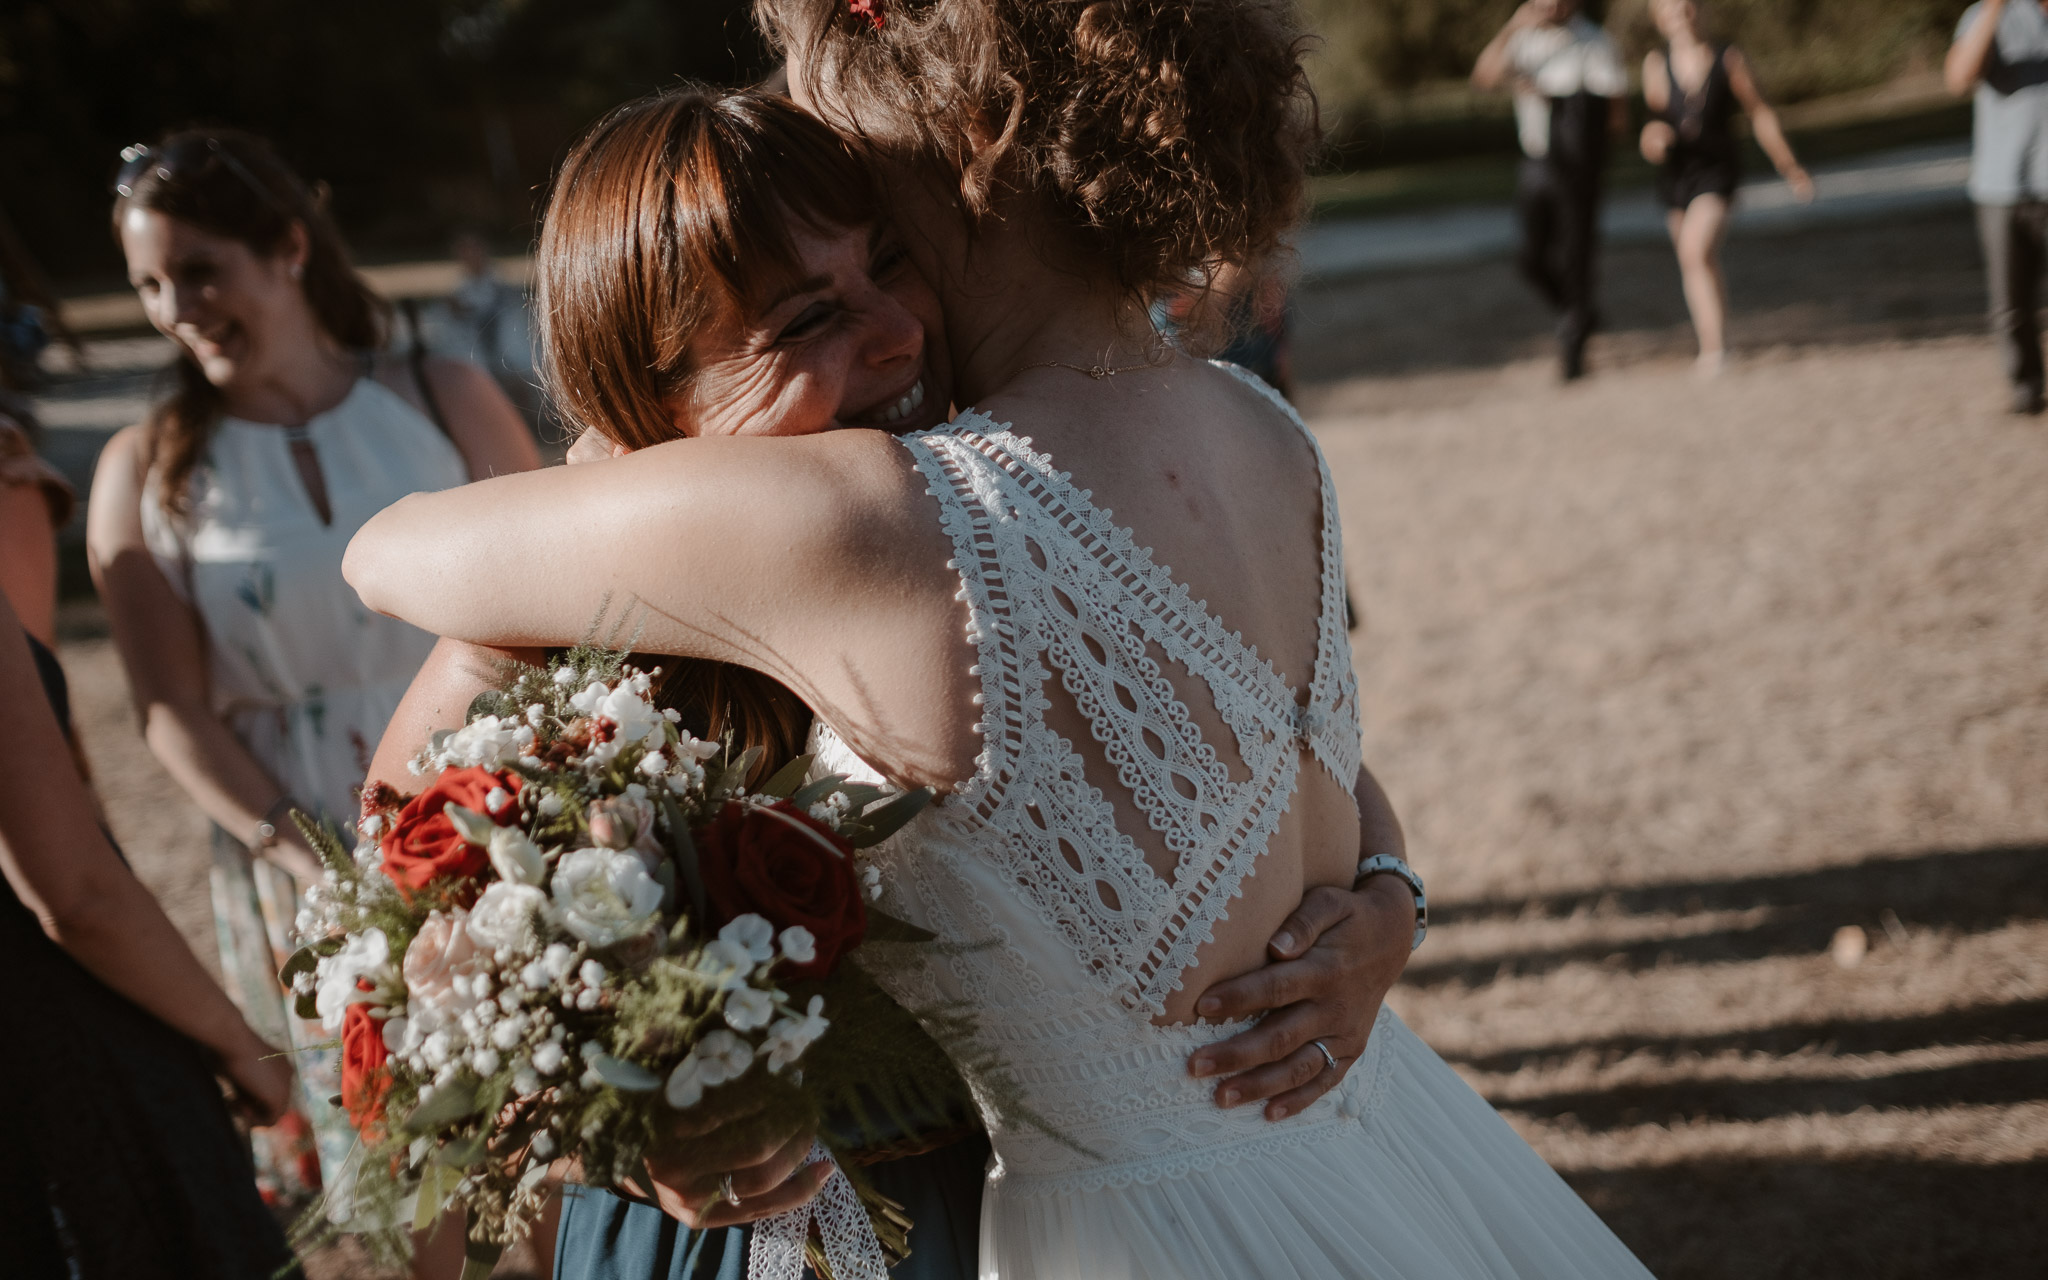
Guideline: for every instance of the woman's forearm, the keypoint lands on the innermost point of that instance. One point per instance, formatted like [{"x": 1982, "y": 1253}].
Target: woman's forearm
[
  {"x": 1379, "y": 829},
  {"x": 63, "y": 868},
  {"x": 1770, "y": 135},
  {"x": 206, "y": 759},
  {"x": 123, "y": 938}
]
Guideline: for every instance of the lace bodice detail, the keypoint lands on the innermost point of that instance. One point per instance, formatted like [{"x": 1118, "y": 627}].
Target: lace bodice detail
[{"x": 1071, "y": 940}]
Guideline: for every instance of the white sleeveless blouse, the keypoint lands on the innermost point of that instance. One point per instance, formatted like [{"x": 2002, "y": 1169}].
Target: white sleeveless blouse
[
  {"x": 1110, "y": 1160},
  {"x": 305, "y": 675}
]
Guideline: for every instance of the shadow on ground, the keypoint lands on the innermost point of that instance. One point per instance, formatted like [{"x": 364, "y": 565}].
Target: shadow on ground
[
  {"x": 1758, "y": 1217},
  {"x": 1789, "y": 1220}
]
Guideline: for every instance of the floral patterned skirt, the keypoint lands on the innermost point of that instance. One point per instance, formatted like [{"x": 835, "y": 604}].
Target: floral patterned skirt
[{"x": 254, "y": 904}]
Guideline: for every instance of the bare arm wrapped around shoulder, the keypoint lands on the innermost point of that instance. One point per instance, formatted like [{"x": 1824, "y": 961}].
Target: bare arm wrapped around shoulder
[{"x": 819, "y": 561}]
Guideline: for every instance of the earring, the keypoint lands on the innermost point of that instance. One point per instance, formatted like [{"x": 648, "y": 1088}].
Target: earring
[{"x": 298, "y": 270}]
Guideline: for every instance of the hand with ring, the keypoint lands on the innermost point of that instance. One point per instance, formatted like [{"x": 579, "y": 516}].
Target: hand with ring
[
  {"x": 1330, "y": 966},
  {"x": 731, "y": 1169}
]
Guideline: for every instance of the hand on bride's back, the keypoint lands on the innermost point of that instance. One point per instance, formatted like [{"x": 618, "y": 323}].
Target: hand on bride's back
[
  {"x": 1334, "y": 960},
  {"x": 764, "y": 1160}
]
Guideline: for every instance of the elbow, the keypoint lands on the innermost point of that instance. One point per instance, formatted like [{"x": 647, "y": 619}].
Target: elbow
[{"x": 368, "y": 565}]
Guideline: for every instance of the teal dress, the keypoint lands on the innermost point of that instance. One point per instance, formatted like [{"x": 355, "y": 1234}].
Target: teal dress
[{"x": 607, "y": 1237}]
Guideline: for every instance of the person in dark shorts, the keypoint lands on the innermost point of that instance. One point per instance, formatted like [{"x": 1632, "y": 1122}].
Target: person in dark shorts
[
  {"x": 2000, "y": 56},
  {"x": 1693, "y": 90},
  {"x": 1571, "y": 93}
]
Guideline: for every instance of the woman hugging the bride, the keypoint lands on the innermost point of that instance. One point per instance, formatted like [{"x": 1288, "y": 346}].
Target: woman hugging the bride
[{"x": 1154, "y": 822}]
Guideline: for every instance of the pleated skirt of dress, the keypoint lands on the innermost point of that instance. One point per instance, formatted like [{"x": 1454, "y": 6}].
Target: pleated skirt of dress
[{"x": 1429, "y": 1183}]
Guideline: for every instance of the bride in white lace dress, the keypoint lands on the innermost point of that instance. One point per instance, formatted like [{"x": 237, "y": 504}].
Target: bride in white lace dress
[{"x": 1145, "y": 766}]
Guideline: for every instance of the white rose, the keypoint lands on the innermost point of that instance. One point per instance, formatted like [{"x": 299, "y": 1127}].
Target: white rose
[
  {"x": 605, "y": 896},
  {"x": 749, "y": 1009},
  {"x": 515, "y": 857},
  {"x": 362, "y": 956},
  {"x": 502, "y": 919},
  {"x": 752, "y": 933}
]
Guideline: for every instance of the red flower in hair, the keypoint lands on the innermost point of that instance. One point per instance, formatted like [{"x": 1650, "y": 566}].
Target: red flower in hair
[{"x": 869, "y": 9}]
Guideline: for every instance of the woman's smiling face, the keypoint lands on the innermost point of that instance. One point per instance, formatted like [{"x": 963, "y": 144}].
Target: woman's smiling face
[{"x": 849, "y": 343}]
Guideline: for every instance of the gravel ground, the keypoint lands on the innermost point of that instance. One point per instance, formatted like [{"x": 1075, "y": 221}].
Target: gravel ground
[{"x": 1718, "y": 715}]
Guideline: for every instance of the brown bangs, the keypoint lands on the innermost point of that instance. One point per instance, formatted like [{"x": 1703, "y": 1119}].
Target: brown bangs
[{"x": 672, "y": 211}]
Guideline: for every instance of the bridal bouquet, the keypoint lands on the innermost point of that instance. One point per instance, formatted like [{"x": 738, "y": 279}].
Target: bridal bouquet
[{"x": 585, "y": 927}]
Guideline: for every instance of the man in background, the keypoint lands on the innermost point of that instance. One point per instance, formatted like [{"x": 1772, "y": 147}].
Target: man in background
[
  {"x": 2001, "y": 52},
  {"x": 1571, "y": 95}
]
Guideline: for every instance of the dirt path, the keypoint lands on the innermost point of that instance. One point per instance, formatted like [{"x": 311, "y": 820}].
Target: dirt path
[{"x": 1672, "y": 681}]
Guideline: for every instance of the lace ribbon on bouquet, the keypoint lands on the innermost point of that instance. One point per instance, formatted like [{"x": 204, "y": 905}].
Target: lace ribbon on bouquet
[{"x": 851, "y": 1249}]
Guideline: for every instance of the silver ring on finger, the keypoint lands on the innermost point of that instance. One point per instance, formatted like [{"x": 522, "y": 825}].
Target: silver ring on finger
[
  {"x": 1329, "y": 1059},
  {"x": 726, "y": 1193}
]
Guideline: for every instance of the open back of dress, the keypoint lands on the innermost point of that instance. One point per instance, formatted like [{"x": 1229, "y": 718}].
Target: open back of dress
[{"x": 1070, "y": 930}]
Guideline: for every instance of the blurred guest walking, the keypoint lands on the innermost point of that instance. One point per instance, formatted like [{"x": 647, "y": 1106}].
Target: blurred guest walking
[
  {"x": 120, "y": 1160},
  {"x": 1693, "y": 90},
  {"x": 2001, "y": 51},
  {"x": 216, "y": 532},
  {"x": 1570, "y": 95}
]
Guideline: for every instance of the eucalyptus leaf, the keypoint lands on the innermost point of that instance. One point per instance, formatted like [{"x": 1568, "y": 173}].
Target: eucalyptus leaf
[
  {"x": 788, "y": 778},
  {"x": 469, "y": 824},
  {"x": 436, "y": 1184},
  {"x": 816, "y": 791},
  {"x": 302, "y": 961},
  {"x": 621, "y": 1074},
  {"x": 859, "y": 795},
  {"x": 888, "y": 817},
  {"x": 491, "y": 702},
  {"x": 438, "y": 740},
  {"x": 453, "y": 1101},
  {"x": 307, "y": 1006},
  {"x": 460, "y": 1153},
  {"x": 683, "y": 850}
]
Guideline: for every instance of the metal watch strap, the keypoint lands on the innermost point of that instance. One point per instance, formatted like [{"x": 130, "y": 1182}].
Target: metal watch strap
[{"x": 1386, "y": 864}]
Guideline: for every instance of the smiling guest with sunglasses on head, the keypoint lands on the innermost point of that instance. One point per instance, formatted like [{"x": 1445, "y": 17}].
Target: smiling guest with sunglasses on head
[{"x": 216, "y": 533}]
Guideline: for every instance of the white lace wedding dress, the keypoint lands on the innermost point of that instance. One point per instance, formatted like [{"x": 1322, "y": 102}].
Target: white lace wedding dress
[{"x": 1072, "y": 943}]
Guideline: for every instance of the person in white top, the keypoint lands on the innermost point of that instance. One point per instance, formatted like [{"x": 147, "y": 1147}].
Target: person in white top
[
  {"x": 1570, "y": 92},
  {"x": 216, "y": 530},
  {"x": 1145, "y": 767}
]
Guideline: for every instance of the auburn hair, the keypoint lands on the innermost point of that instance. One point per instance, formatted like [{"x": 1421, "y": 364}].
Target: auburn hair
[
  {"x": 671, "y": 213},
  {"x": 1167, "y": 136},
  {"x": 235, "y": 186}
]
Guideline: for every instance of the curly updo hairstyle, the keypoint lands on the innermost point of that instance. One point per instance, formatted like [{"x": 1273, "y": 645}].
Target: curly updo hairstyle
[{"x": 1166, "y": 135}]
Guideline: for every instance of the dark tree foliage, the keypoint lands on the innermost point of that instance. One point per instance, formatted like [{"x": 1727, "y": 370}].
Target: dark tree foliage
[{"x": 422, "y": 115}]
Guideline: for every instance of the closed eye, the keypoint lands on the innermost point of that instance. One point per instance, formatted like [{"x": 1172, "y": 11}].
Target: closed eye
[{"x": 807, "y": 322}]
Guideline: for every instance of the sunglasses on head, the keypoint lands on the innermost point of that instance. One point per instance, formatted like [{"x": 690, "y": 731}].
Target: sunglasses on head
[{"x": 184, "y": 157}]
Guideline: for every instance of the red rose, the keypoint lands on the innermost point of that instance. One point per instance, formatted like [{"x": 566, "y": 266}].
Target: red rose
[
  {"x": 781, "y": 863},
  {"x": 423, "y": 845},
  {"x": 364, "y": 1081}
]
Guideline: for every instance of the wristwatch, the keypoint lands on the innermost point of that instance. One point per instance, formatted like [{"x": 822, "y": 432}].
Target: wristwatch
[{"x": 1386, "y": 864}]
